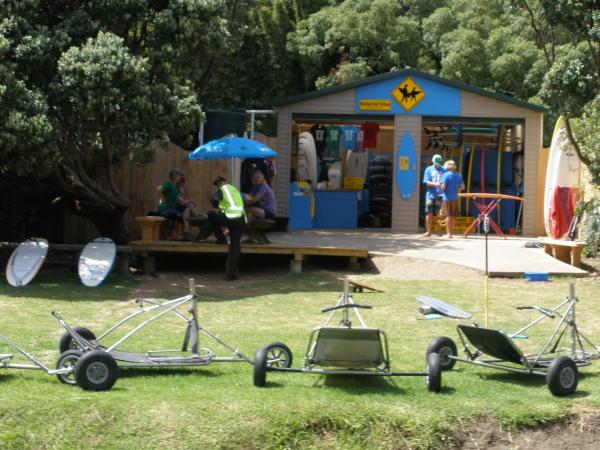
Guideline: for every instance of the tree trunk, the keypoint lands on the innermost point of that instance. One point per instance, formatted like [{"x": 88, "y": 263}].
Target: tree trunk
[{"x": 95, "y": 197}]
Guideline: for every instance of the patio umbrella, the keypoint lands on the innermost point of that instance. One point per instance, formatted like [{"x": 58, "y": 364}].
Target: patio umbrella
[{"x": 232, "y": 147}]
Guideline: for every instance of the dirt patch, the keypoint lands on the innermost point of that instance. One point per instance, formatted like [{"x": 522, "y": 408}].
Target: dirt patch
[
  {"x": 577, "y": 431},
  {"x": 403, "y": 268}
]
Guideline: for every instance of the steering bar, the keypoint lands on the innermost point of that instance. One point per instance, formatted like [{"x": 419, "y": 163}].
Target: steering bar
[
  {"x": 346, "y": 305},
  {"x": 544, "y": 311}
]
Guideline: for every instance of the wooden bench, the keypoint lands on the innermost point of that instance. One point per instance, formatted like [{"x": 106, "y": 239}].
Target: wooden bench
[
  {"x": 150, "y": 227},
  {"x": 257, "y": 229},
  {"x": 565, "y": 251}
]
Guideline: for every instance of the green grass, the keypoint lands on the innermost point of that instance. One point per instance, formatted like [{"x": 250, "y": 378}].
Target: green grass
[{"x": 218, "y": 407}]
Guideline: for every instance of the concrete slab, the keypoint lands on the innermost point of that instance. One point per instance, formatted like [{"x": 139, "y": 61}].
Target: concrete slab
[{"x": 506, "y": 257}]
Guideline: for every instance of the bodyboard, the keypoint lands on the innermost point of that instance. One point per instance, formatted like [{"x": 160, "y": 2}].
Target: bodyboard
[
  {"x": 26, "y": 261},
  {"x": 438, "y": 306},
  {"x": 96, "y": 261}
]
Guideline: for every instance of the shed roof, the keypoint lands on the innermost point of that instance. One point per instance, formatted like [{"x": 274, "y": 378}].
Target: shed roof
[{"x": 403, "y": 73}]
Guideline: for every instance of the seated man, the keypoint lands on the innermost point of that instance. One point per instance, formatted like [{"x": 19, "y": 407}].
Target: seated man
[
  {"x": 173, "y": 207},
  {"x": 261, "y": 201}
]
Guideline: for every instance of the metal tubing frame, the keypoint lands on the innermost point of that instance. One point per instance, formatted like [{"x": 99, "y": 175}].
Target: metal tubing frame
[
  {"x": 37, "y": 364},
  {"x": 576, "y": 350},
  {"x": 377, "y": 373}
]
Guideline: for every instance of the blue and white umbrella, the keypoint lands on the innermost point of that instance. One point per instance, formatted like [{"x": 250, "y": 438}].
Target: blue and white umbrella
[{"x": 232, "y": 147}]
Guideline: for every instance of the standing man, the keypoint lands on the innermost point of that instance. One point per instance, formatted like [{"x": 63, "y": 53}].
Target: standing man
[
  {"x": 261, "y": 201},
  {"x": 231, "y": 215},
  {"x": 432, "y": 178},
  {"x": 452, "y": 184}
]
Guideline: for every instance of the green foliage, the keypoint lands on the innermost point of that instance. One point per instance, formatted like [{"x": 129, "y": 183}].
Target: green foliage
[
  {"x": 570, "y": 83},
  {"x": 586, "y": 130},
  {"x": 590, "y": 228},
  {"x": 458, "y": 47}
]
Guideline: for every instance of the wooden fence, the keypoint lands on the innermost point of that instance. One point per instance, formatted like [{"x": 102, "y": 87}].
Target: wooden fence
[{"x": 139, "y": 184}]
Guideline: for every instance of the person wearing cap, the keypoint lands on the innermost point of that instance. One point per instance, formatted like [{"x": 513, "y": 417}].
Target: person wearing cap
[
  {"x": 230, "y": 214},
  {"x": 174, "y": 207},
  {"x": 452, "y": 184},
  {"x": 432, "y": 178}
]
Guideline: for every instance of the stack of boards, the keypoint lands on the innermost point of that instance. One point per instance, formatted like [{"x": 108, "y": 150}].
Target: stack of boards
[{"x": 95, "y": 262}]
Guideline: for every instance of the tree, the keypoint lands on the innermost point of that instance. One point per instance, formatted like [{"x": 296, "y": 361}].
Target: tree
[{"x": 91, "y": 83}]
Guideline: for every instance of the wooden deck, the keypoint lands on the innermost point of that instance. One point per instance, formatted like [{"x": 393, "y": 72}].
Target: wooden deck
[{"x": 149, "y": 249}]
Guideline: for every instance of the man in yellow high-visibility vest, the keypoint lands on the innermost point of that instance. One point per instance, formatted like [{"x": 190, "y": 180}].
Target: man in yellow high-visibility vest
[{"x": 231, "y": 215}]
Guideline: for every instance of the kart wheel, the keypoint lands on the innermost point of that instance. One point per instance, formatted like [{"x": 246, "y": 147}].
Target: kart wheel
[
  {"x": 444, "y": 347},
  {"x": 260, "y": 367},
  {"x": 562, "y": 376},
  {"x": 68, "y": 360},
  {"x": 68, "y": 343},
  {"x": 96, "y": 371},
  {"x": 434, "y": 372},
  {"x": 278, "y": 355}
]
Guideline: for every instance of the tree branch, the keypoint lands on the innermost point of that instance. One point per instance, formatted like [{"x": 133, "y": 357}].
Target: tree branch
[{"x": 583, "y": 158}]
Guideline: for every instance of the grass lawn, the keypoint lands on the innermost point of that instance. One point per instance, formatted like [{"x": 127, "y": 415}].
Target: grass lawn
[{"x": 218, "y": 407}]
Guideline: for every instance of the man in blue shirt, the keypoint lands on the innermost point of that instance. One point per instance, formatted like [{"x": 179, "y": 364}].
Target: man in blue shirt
[
  {"x": 261, "y": 201},
  {"x": 452, "y": 184},
  {"x": 432, "y": 178}
]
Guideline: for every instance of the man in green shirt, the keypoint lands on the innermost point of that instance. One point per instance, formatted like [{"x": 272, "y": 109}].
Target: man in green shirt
[{"x": 173, "y": 207}]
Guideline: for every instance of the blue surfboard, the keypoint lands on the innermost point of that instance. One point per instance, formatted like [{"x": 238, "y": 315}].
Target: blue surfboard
[{"x": 406, "y": 168}]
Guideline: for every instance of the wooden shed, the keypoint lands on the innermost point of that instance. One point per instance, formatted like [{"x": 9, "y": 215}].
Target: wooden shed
[{"x": 495, "y": 139}]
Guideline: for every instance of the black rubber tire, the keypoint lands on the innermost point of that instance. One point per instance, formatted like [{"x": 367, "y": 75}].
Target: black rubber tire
[
  {"x": 96, "y": 371},
  {"x": 434, "y": 372},
  {"x": 562, "y": 376},
  {"x": 70, "y": 358},
  {"x": 443, "y": 346},
  {"x": 68, "y": 343},
  {"x": 278, "y": 355},
  {"x": 260, "y": 367}
]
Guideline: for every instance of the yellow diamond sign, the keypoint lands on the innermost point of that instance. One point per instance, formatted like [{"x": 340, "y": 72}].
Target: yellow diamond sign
[{"x": 408, "y": 94}]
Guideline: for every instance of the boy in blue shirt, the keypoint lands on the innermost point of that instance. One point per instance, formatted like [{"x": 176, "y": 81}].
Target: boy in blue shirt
[
  {"x": 432, "y": 178},
  {"x": 452, "y": 184}
]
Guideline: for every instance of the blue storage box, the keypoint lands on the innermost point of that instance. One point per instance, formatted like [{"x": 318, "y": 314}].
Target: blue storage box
[{"x": 536, "y": 276}]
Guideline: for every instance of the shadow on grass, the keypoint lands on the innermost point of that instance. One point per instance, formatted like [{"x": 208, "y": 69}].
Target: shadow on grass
[
  {"x": 134, "y": 372},
  {"x": 59, "y": 285},
  {"x": 357, "y": 384},
  {"x": 528, "y": 380}
]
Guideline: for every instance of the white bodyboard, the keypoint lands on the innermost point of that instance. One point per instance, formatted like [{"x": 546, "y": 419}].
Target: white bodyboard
[
  {"x": 96, "y": 261},
  {"x": 26, "y": 261},
  {"x": 307, "y": 158}
]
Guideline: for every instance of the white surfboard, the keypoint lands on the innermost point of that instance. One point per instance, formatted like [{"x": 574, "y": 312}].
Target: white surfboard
[
  {"x": 307, "y": 158},
  {"x": 26, "y": 261},
  {"x": 96, "y": 261},
  {"x": 562, "y": 171}
]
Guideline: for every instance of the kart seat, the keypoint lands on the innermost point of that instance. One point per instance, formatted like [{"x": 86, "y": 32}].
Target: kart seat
[
  {"x": 493, "y": 342},
  {"x": 347, "y": 347}
]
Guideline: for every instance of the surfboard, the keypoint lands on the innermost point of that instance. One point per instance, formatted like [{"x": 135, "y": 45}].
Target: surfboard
[
  {"x": 307, "y": 158},
  {"x": 562, "y": 171},
  {"x": 406, "y": 170},
  {"x": 26, "y": 261},
  {"x": 96, "y": 261},
  {"x": 433, "y": 305}
]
